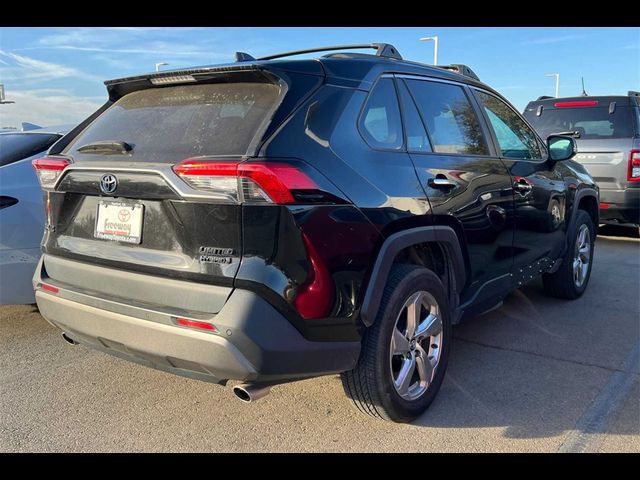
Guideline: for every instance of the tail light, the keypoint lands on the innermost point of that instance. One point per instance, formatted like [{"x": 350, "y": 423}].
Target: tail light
[
  {"x": 251, "y": 182},
  {"x": 315, "y": 296},
  {"x": 49, "y": 169},
  {"x": 633, "y": 174}
]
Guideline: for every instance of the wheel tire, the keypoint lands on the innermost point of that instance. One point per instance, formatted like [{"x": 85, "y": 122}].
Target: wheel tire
[
  {"x": 561, "y": 284},
  {"x": 370, "y": 384}
]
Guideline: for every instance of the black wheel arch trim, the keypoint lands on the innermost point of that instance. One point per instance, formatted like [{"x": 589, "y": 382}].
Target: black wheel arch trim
[
  {"x": 390, "y": 249},
  {"x": 580, "y": 194}
]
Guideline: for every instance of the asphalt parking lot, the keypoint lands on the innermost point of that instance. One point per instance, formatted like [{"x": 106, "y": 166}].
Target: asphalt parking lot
[{"x": 538, "y": 374}]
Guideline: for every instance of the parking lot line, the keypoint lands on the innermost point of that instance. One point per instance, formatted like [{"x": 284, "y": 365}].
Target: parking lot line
[{"x": 594, "y": 420}]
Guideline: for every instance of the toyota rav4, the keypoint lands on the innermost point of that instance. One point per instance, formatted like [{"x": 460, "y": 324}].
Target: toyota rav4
[{"x": 277, "y": 219}]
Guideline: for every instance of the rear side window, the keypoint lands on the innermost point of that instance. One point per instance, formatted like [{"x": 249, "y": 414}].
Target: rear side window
[
  {"x": 18, "y": 146},
  {"x": 380, "y": 122},
  {"x": 589, "y": 122},
  {"x": 451, "y": 122},
  {"x": 171, "y": 124}
]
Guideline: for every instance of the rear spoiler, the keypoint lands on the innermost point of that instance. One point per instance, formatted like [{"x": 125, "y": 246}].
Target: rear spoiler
[{"x": 121, "y": 86}]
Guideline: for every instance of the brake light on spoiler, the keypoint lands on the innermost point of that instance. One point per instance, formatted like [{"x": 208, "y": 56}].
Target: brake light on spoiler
[{"x": 578, "y": 103}]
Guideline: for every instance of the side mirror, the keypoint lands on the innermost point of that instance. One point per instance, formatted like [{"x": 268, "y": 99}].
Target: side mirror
[{"x": 561, "y": 147}]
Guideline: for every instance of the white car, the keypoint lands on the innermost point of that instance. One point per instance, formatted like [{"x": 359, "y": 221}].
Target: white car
[{"x": 21, "y": 210}]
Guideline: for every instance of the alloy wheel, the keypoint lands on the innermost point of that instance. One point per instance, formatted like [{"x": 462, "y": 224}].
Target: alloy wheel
[{"x": 416, "y": 344}]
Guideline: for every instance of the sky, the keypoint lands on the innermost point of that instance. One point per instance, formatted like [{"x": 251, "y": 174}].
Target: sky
[{"x": 56, "y": 75}]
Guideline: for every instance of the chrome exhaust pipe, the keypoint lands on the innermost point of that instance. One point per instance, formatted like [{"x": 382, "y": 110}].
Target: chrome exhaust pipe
[
  {"x": 69, "y": 340},
  {"x": 251, "y": 392}
]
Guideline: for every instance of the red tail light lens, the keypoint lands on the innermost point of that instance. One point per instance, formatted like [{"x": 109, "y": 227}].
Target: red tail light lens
[
  {"x": 580, "y": 103},
  {"x": 315, "y": 297},
  {"x": 633, "y": 175},
  {"x": 49, "y": 288},
  {"x": 197, "y": 324},
  {"x": 277, "y": 179},
  {"x": 254, "y": 182},
  {"x": 49, "y": 169}
]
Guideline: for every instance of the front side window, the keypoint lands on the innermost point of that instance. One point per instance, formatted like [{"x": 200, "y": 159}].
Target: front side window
[
  {"x": 515, "y": 138},
  {"x": 450, "y": 120},
  {"x": 380, "y": 122}
]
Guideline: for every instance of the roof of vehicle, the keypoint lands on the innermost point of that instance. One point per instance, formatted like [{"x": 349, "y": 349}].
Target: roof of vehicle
[{"x": 356, "y": 70}]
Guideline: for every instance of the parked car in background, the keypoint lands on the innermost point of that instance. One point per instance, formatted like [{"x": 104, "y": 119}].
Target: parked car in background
[
  {"x": 277, "y": 219},
  {"x": 21, "y": 210},
  {"x": 607, "y": 133}
]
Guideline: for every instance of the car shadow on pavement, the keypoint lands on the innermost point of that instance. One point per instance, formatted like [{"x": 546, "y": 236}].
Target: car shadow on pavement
[
  {"x": 536, "y": 364},
  {"x": 624, "y": 231}
]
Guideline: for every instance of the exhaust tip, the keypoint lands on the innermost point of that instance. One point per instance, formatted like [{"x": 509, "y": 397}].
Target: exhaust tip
[
  {"x": 68, "y": 339},
  {"x": 242, "y": 394},
  {"x": 251, "y": 392}
]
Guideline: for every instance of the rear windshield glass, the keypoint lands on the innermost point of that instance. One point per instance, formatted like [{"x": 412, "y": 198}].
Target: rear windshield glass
[
  {"x": 589, "y": 122},
  {"x": 17, "y": 146},
  {"x": 173, "y": 123}
]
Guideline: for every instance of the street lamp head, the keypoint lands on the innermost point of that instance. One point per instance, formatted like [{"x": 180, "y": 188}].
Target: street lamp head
[{"x": 424, "y": 39}]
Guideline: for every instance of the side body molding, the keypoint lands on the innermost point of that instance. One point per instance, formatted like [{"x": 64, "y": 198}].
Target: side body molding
[{"x": 390, "y": 249}]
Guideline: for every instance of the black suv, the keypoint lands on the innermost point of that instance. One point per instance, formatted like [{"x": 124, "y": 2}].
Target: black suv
[{"x": 275, "y": 219}]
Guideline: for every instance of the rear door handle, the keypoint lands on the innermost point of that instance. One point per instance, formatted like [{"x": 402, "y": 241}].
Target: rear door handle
[{"x": 440, "y": 181}]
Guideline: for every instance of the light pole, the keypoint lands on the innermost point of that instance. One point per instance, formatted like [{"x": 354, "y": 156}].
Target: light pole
[
  {"x": 435, "y": 47},
  {"x": 158, "y": 65},
  {"x": 2, "y": 100},
  {"x": 557, "y": 75}
]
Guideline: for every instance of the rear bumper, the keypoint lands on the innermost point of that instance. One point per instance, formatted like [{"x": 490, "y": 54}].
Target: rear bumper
[
  {"x": 253, "y": 341},
  {"x": 623, "y": 206}
]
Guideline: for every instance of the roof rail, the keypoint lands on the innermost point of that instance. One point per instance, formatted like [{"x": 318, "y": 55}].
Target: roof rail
[
  {"x": 461, "y": 69},
  {"x": 382, "y": 50}
]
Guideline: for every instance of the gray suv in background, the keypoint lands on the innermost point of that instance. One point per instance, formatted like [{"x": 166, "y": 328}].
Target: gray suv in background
[{"x": 607, "y": 133}]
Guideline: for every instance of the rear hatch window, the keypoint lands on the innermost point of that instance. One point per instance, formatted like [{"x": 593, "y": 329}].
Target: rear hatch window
[
  {"x": 590, "y": 122},
  {"x": 170, "y": 124}
]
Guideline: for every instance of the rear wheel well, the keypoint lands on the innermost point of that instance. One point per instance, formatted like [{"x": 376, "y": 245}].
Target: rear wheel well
[
  {"x": 590, "y": 205},
  {"x": 431, "y": 255}
]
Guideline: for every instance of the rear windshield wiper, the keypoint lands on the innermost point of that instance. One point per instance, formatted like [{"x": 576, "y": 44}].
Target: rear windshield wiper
[
  {"x": 572, "y": 133},
  {"x": 106, "y": 146}
]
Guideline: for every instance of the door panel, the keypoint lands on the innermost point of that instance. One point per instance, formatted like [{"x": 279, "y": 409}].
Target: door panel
[
  {"x": 463, "y": 180},
  {"x": 539, "y": 189}
]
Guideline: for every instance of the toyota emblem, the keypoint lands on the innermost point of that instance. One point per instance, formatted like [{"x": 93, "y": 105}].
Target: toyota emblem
[{"x": 108, "y": 183}]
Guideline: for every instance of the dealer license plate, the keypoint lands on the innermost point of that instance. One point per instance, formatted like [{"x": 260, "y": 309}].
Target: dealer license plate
[{"x": 119, "y": 221}]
